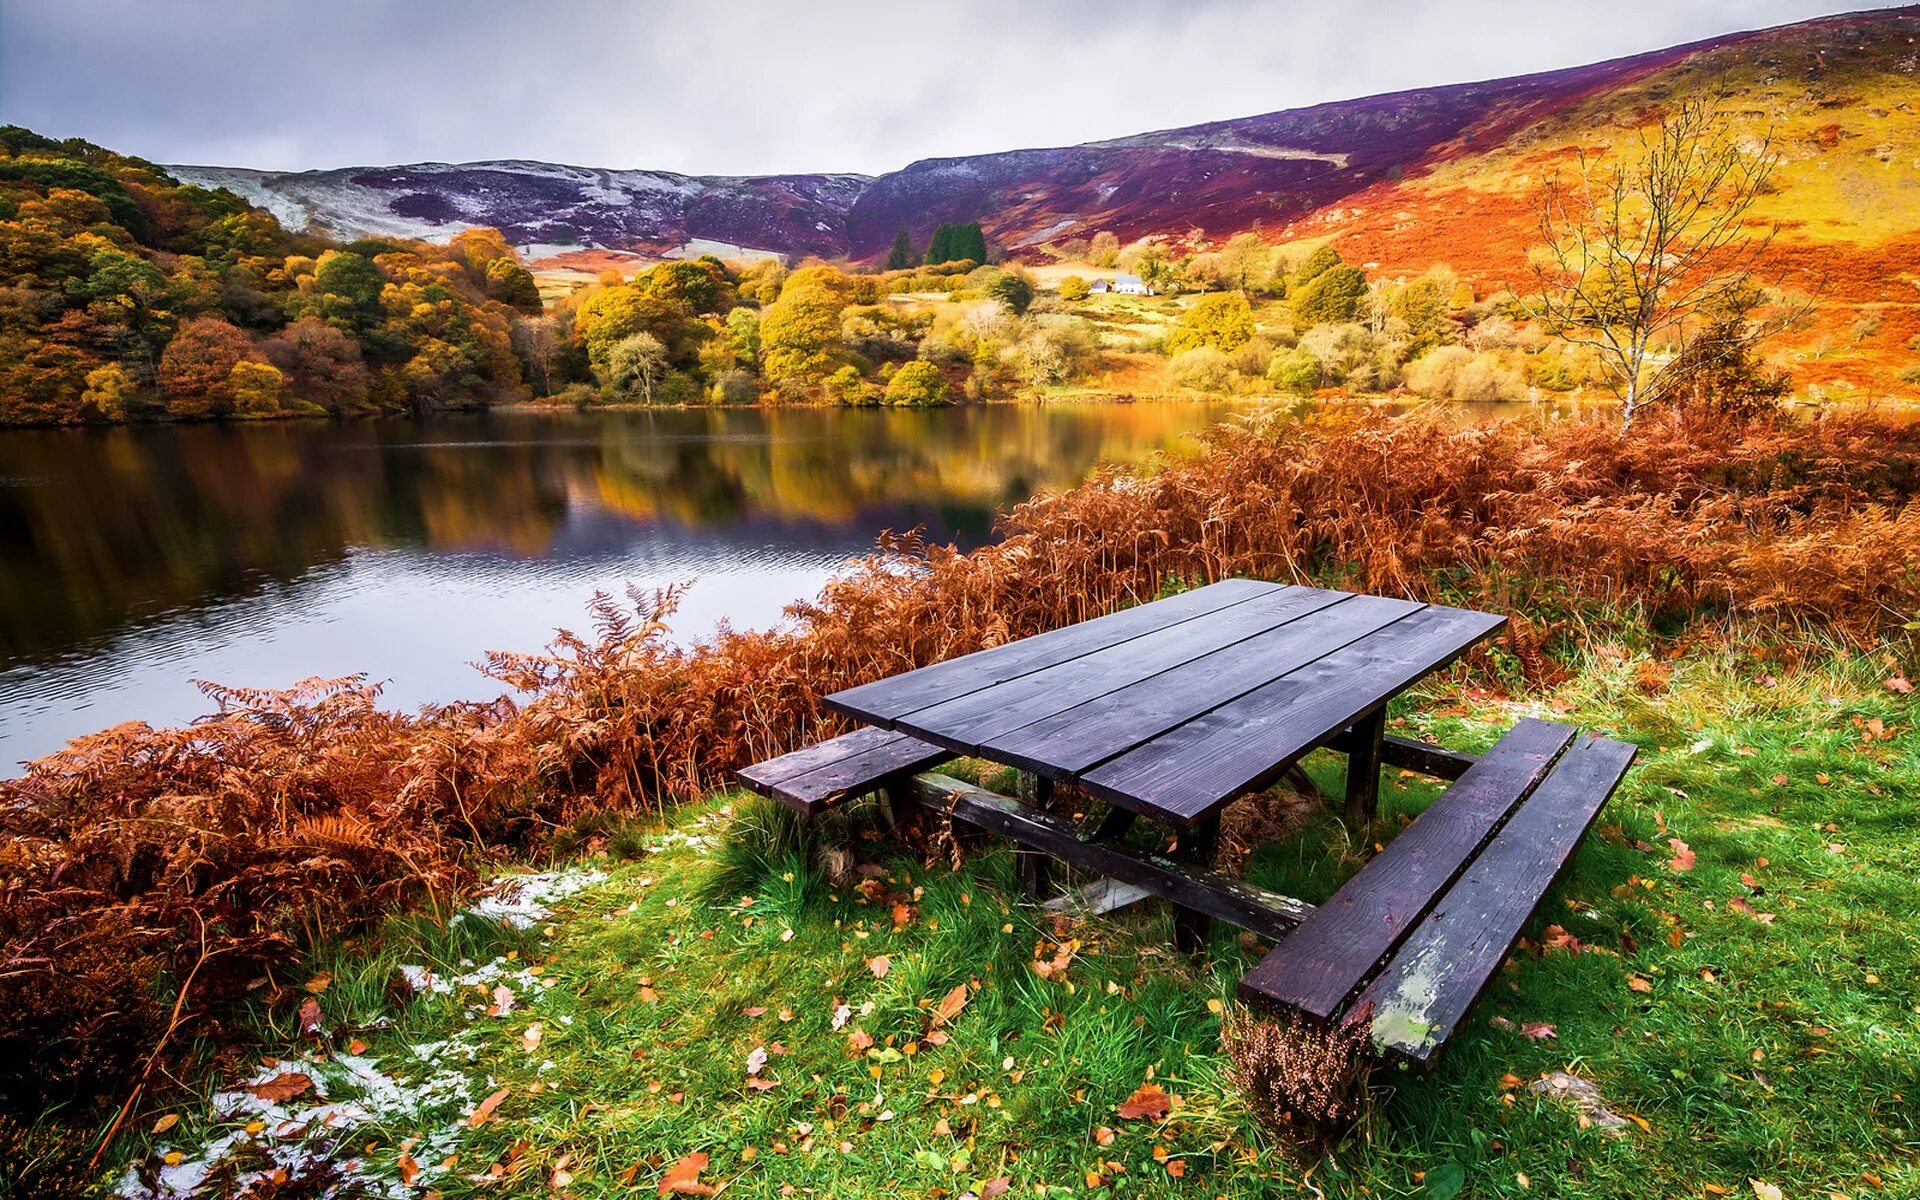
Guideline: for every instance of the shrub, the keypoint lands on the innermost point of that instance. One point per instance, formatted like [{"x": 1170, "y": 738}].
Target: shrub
[
  {"x": 1303, "y": 1082},
  {"x": 1073, "y": 287},
  {"x": 1203, "y": 369},
  {"x": 736, "y": 387},
  {"x": 1220, "y": 321},
  {"x": 1458, "y": 374},
  {"x": 1294, "y": 371},
  {"x": 918, "y": 385},
  {"x": 1333, "y": 296}
]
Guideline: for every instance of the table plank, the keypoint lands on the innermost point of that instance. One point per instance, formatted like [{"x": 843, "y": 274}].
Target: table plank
[
  {"x": 775, "y": 771},
  {"x": 885, "y": 700},
  {"x": 965, "y": 723},
  {"x": 1194, "y": 768},
  {"x": 1080, "y": 738}
]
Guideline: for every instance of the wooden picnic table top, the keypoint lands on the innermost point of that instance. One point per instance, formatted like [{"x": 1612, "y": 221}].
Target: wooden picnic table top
[{"x": 1173, "y": 709}]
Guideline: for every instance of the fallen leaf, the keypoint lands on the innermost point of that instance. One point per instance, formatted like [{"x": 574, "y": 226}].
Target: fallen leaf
[
  {"x": 310, "y": 1016},
  {"x": 283, "y": 1087},
  {"x": 997, "y": 1186},
  {"x": 1177, "y": 1167},
  {"x": 1682, "y": 859},
  {"x": 763, "y": 1084},
  {"x": 502, "y": 1001},
  {"x": 1103, "y": 1136},
  {"x": 901, "y": 915},
  {"x": 319, "y": 983},
  {"x": 841, "y": 1015},
  {"x": 756, "y": 1011},
  {"x": 756, "y": 1060},
  {"x": 1537, "y": 1030},
  {"x": 1900, "y": 685},
  {"x": 167, "y": 1122},
  {"x": 951, "y": 1005},
  {"x": 1639, "y": 983},
  {"x": 1149, "y": 1101},
  {"x": 1714, "y": 1189},
  {"x": 409, "y": 1169},
  {"x": 879, "y": 964},
  {"x": 484, "y": 1113},
  {"x": 683, "y": 1177},
  {"x": 861, "y": 1040},
  {"x": 1765, "y": 1191},
  {"x": 531, "y": 1038}
]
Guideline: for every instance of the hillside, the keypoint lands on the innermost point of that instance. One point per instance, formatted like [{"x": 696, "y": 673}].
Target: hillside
[{"x": 1338, "y": 166}]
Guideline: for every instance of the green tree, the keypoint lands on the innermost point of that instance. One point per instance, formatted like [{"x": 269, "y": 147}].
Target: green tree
[
  {"x": 957, "y": 242},
  {"x": 1220, "y": 320},
  {"x": 1011, "y": 288},
  {"x": 1295, "y": 371},
  {"x": 918, "y": 384},
  {"x": 513, "y": 285},
  {"x": 900, "y": 256},
  {"x": 1318, "y": 263},
  {"x": 349, "y": 285},
  {"x": 1333, "y": 296}
]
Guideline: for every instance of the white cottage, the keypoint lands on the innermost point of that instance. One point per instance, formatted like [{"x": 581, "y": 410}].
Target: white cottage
[{"x": 1125, "y": 285}]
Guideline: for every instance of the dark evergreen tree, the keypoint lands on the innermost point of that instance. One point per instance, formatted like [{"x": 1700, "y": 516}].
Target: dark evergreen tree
[
  {"x": 970, "y": 242},
  {"x": 901, "y": 256},
  {"x": 940, "y": 246}
]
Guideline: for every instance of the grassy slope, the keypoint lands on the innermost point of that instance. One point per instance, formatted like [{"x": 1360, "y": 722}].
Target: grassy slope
[
  {"x": 1785, "y": 1050},
  {"x": 1847, "y": 197}
]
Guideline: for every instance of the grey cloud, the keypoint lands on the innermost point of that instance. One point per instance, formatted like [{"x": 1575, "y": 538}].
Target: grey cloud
[{"x": 757, "y": 86}]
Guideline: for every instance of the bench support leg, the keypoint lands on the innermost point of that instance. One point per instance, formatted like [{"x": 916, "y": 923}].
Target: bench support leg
[
  {"x": 1192, "y": 928},
  {"x": 1363, "y": 770},
  {"x": 1035, "y": 869}
]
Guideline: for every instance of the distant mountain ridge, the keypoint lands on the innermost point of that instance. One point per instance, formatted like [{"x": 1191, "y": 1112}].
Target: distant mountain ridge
[{"x": 1196, "y": 183}]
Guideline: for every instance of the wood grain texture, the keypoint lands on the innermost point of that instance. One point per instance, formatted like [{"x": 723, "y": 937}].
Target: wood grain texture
[
  {"x": 1077, "y": 739},
  {"x": 850, "y": 765},
  {"x": 966, "y": 723},
  {"x": 1244, "y": 744},
  {"x": 1440, "y": 969},
  {"x": 885, "y": 700},
  {"x": 1322, "y": 963}
]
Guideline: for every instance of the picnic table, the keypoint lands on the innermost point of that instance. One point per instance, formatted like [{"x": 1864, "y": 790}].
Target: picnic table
[{"x": 1170, "y": 711}]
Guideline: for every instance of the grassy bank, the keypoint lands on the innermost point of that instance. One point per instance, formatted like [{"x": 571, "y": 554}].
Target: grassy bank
[{"x": 1731, "y": 964}]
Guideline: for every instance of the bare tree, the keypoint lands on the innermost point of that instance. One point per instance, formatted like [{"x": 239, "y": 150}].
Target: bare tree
[{"x": 1644, "y": 258}]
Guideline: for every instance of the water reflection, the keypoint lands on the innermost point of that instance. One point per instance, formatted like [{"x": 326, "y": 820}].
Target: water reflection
[{"x": 133, "y": 560}]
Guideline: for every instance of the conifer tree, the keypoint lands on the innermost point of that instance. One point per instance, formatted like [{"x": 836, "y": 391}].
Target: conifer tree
[{"x": 901, "y": 256}]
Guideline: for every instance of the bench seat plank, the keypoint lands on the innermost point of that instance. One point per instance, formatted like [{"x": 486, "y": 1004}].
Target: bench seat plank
[
  {"x": 1441, "y": 968},
  {"x": 1333, "y": 952},
  {"x": 833, "y": 770}
]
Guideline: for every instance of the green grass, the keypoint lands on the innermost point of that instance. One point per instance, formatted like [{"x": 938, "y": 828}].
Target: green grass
[{"x": 1783, "y": 1050}]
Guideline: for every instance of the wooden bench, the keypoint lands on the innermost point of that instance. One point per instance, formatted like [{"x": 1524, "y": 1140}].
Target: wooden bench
[
  {"x": 853, "y": 764},
  {"x": 1410, "y": 942}
]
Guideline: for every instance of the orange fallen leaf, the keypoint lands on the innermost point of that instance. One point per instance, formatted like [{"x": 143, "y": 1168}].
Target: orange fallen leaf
[
  {"x": 951, "y": 1005},
  {"x": 283, "y": 1087},
  {"x": 1539, "y": 1031},
  {"x": 319, "y": 983},
  {"x": 1900, "y": 685},
  {"x": 1682, "y": 859},
  {"x": 409, "y": 1169},
  {"x": 1639, "y": 983},
  {"x": 1149, "y": 1101},
  {"x": 879, "y": 964},
  {"x": 485, "y": 1111},
  {"x": 310, "y": 1016},
  {"x": 1177, "y": 1167},
  {"x": 683, "y": 1177},
  {"x": 167, "y": 1122}
]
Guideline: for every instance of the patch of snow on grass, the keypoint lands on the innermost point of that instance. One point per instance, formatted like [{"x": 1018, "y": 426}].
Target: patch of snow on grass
[{"x": 525, "y": 900}]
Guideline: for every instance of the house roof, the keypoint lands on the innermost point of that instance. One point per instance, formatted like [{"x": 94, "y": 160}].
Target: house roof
[{"x": 1119, "y": 280}]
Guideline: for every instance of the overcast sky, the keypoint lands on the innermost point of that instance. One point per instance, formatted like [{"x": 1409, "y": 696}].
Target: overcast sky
[{"x": 757, "y": 86}]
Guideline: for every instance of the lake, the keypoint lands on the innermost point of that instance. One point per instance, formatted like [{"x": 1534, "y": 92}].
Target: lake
[{"x": 135, "y": 560}]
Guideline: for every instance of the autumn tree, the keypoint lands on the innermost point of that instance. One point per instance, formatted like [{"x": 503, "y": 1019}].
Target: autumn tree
[
  {"x": 917, "y": 385},
  {"x": 196, "y": 366},
  {"x": 1221, "y": 320},
  {"x": 800, "y": 333},
  {"x": 1330, "y": 296},
  {"x": 1640, "y": 258},
  {"x": 1104, "y": 249},
  {"x": 635, "y": 366},
  {"x": 320, "y": 365}
]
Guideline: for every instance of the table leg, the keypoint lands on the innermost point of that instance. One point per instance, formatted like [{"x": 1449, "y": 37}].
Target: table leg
[
  {"x": 1192, "y": 928},
  {"x": 1035, "y": 869},
  {"x": 1363, "y": 769}
]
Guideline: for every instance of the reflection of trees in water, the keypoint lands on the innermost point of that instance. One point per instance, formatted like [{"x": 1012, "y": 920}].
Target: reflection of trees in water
[{"x": 99, "y": 528}]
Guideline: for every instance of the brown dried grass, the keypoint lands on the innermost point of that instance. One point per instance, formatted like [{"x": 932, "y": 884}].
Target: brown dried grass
[
  {"x": 1305, "y": 1083},
  {"x": 260, "y": 818}
]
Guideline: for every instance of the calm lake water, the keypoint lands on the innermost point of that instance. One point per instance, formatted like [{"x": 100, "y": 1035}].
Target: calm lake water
[{"x": 133, "y": 561}]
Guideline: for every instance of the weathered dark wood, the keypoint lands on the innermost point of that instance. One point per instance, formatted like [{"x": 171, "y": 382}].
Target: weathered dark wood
[
  {"x": 1245, "y": 744},
  {"x": 1033, "y": 868},
  {"x": 1323, "y": 962},
  {"x": 1362, "y": 792},
  {"x": 850, "y": 765},
  {"x": 1241, "y": 904},
  {"x": 884, "y": 699},
  {"x": 1423, "y": 758},
  {"x": 967, "y": 723},
  {"x": 1193, "y": 927},
  {"x": 761, "y": 776},
  {"x": 1444, "y": 964},
  {"x": 1084, "y": 735}
]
